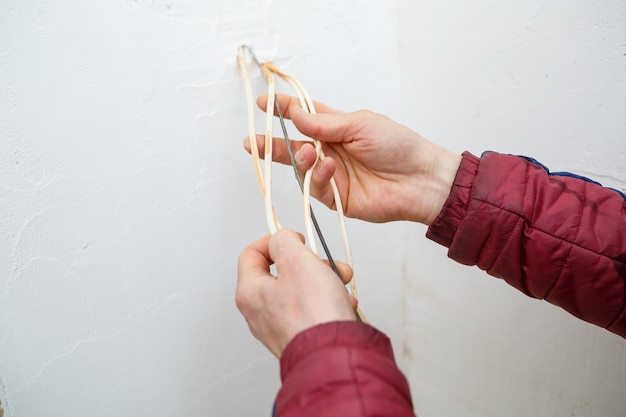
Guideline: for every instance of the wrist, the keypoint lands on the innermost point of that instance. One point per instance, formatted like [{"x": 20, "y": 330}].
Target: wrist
[
  {"x": 443, "y": 229},
  {"x": 444, "y": 169}
]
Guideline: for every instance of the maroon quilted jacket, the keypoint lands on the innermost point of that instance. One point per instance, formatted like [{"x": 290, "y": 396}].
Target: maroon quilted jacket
[{"x": 554, "y": 236}]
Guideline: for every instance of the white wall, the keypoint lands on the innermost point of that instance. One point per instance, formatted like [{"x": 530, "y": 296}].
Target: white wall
[
  {"x": 544, "y": 79},
  {"x": 125, "y": 197}
]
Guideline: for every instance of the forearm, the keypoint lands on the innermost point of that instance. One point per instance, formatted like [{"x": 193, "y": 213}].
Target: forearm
[
  {"x": 342, "y": 369},
  {"x": 557, "y": 238}
]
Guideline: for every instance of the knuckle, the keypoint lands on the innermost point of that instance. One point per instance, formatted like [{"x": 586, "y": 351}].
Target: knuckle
[
  {"x": 364, "y": 113},
  {"x": 242, "y": 300}
]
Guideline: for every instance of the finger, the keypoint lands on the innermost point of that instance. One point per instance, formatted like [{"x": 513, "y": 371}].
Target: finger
[
  {"x": 320, "y": 181},
  {"x": 345, "y": 272},
  {"x": 292, "y": 258},
  {"x": 286, "y": 102},
  {"x": 285, "y": 244},
  {"x": 328, "y": 127},
  {"x": 305, "y": 155},
  {"x": 254, "y": 261},
  {"x": 280, "y": 153},
  {"x": 353, "y": 301},
  {"x": 253, "y": 269},
  {"x": 301, "y": 237}
]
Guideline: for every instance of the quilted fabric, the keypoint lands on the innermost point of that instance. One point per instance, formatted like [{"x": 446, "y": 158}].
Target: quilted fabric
[
  {"x": 341, "y": 369},
  {"x": 556, "y": 237},
  {"x": 552, "y": 236}
]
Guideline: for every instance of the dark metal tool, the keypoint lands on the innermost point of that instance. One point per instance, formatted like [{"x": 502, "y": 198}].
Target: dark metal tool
[
  {"x": 279, "y": 112},
  {"x": 300, "y": 183}
]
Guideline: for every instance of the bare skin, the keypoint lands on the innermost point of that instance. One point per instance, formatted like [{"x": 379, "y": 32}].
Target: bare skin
[
  {"x": 384, "y": 170},
  {"x": 305, "y": 291}
]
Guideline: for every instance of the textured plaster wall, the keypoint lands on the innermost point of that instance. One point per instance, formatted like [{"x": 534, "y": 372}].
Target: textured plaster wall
[
  {"x": 540, "y": 78},
  {"x": 125, "y": 197}
]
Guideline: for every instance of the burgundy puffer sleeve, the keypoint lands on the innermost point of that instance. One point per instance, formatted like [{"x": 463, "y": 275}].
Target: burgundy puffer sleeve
[
  {"x": 341, "y": 369},
  {"x": 553, "y": 236}
]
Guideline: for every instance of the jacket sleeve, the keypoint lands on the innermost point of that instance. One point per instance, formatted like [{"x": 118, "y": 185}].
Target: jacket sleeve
[
  {"x": 341, "y": 369},
  {"x": 556, "y": 237}
]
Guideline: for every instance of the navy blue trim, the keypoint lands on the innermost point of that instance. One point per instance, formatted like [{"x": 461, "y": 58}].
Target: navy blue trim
[
  {"x": 534, "y": 161},
  {"x": 564, "y": 174},
  {"x": 569, "y": 174},
  {"x": 274, "y": 409}
]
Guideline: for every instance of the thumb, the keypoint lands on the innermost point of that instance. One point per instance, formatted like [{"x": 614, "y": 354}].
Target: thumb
[
  {"x": 285, "y": 244},
  {"x": 327, "y": 127},
  {"x": 292, "y": 258}
]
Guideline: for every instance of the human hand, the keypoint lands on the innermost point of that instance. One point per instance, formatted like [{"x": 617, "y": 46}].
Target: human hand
[
  {"x": 384, "y": 171},
  {"x": 305, "y": 291}
]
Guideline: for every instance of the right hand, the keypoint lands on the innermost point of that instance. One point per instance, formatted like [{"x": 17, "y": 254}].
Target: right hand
[
  {"x": 384, "y": 171},
  {"x": 304, "y": 292}
]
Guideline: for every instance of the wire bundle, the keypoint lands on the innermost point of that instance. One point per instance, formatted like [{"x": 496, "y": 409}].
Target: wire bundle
[{"x": 264, "y": 176}]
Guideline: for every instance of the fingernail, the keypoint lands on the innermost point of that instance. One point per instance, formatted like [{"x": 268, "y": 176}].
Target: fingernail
[
  {"x": 299, "y": 157},
  {"x": 321, "y": 164}
]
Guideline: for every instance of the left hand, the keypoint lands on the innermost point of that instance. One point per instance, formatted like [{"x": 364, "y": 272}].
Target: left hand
[
  {"x": 384, "y": 171},
  {"x": 305, "y": 291}
]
